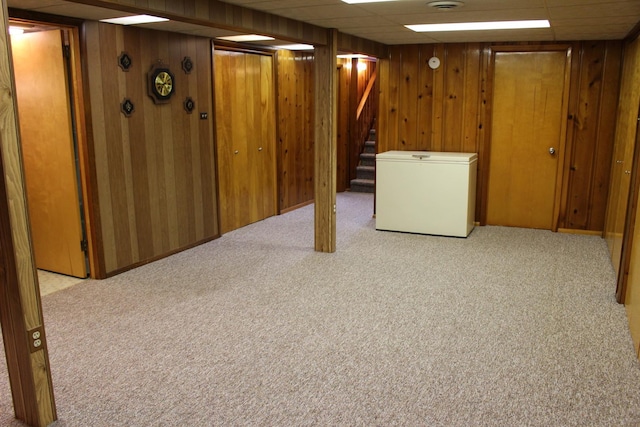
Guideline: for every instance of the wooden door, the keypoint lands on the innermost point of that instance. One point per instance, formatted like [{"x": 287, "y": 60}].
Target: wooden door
[
  {"x": 527, "y": 138},
  {"x": 245, "y": 126},
  {"x": 46, "y": 135}
]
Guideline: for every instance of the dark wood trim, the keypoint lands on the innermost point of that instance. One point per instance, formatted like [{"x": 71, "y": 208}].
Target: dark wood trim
[
  {"x": 242, "y": 48},
  {"x": 33, "y": 16},
  {"x": 633, "y": 34},
  {"x": 630, "y": 221}
]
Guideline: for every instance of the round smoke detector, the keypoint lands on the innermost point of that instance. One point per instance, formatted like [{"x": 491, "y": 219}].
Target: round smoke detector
[{"x": 445, "y": 5}]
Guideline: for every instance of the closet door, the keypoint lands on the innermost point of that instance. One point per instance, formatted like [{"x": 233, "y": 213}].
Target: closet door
[
  {"x": 245, "y": 135},
  {"x": 530, "y": 93},
  {"x": 46, "y": 137}
]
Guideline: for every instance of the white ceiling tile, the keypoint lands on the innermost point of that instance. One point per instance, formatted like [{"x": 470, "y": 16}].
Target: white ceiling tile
[
  {"x": 620, "y": 8},
  {"x": 384, "y": 22}
]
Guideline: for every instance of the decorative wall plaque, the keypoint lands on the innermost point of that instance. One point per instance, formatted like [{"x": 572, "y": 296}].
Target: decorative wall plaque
[
  {"x": 124, "y": 61},
  {"x": 127, "y": 107},
  {"x": 187, "y": 65},
  {"x": 189, "y": 105}
]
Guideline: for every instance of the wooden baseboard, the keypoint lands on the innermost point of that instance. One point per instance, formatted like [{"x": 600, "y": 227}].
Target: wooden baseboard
[
  {"x": 298, "y": 206},
  {"x": 584, "y": 232}
]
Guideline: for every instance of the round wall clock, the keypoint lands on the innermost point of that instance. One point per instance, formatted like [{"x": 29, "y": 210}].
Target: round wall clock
[{"x": 161, "y": 84}]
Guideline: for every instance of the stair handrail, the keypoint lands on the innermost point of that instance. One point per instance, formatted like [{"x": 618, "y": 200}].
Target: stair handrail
[{"x": 365, "y": 95}]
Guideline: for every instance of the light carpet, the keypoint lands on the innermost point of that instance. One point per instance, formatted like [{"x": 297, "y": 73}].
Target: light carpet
[{"x": 508, "y": 327}]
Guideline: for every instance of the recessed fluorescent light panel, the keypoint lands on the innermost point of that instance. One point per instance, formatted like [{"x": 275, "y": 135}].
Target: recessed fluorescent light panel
[
  {"x": 15, "y": 31},
  {"x": 479, "y": 26},
  {"x": 246, "y": 38},
  {"x": 295, "y": 47},
  {"x": 364, "y": 1},
  {"x": 353, "y": 55},
  {"x": 135, "y": 19}
]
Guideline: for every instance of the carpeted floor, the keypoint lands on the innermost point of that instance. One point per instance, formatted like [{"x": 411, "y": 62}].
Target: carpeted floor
[{"x": 509, "y": 327}]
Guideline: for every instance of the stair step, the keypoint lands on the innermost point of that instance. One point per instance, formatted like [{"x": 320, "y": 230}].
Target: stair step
[
  {"x": 366, "y": 172},
  {"x": 372, "y": 135},
  {"x": 362, "y": 185},
  {"x": 368, "y": 159},
  {"x": 369, "y": 147}
]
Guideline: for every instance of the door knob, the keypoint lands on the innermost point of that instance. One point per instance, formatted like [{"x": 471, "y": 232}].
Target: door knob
[
  {"x": 236, "y": 152},
  {"x": 260, "y": 149},
  {"x": 552, "y": 151}
]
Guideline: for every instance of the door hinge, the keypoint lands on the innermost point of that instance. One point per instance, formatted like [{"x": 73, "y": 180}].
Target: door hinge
[
  {"x": 84, "y": 245},
  {"x": 66, "y": 51}
]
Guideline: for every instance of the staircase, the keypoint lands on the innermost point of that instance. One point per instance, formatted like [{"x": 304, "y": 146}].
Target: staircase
[{"x": 366, "y": 172}]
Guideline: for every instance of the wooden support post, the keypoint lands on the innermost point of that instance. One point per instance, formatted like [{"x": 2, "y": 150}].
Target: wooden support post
[
  {"x": 20, "y": 305},
  {"x": 326, "y": 143}
]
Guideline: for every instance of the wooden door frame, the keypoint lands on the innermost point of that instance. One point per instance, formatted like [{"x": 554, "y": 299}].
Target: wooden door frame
[
  {"x": 630, "y": 220},
  {"x": 20, "y": 305},
  {"x": 88, "y": 180},
  {"x": 563, "y": 159}
]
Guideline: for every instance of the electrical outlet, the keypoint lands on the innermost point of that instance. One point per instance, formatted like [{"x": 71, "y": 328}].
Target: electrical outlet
[{"x": 36, "y": 339}]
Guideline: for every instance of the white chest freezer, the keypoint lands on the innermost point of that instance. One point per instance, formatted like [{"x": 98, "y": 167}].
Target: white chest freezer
[{"x": 426, "y": 192}]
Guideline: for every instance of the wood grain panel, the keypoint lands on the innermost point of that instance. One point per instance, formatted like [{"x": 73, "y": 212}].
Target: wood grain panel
[
  {"x": 344, "y": 131},
  {"x": 425, "y": 99},
  {"x": 453, "y": 101},
  {"x": 623, "y": 160},
  {"x": 437, "y": 133},
  {"x": 154, "y": 171},
  {"x": 295, "y": 128},
  {"x": 454, "y": 97},
  {"x": 408, "y": 91},
  {"x": 382, "y": 120},
  {"x": 586, "y": 179},
  {"x": 606, "y": 134},
  {"x": 325, "y": 95}
]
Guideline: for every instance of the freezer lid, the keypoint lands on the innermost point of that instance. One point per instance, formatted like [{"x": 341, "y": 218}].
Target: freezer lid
[{"x": 428, "y": 156}]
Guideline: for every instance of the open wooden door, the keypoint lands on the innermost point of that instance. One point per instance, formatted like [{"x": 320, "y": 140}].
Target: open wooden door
[
  {"x": 47, "y": 140},
  {"x": 528, "y": 132}
]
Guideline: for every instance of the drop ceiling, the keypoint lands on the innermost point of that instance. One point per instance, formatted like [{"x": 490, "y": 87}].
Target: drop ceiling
[{"x": 384, "y": 21}]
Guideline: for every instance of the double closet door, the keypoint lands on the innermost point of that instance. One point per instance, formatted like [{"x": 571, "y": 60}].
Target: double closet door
[{"x": 246, "y": 137}]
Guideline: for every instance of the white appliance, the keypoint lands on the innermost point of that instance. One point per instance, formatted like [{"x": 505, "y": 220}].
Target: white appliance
[{"x": 426, "y": 192}]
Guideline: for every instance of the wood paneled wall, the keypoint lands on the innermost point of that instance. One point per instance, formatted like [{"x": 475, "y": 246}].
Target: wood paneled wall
[
  {"x": 295, "y": 127},
  {"x": 344, "y": 124},
  {"x": 154, "y": 172},
  {"x": 446, "y": 110},
  {"x": 620, "y": 236}
]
